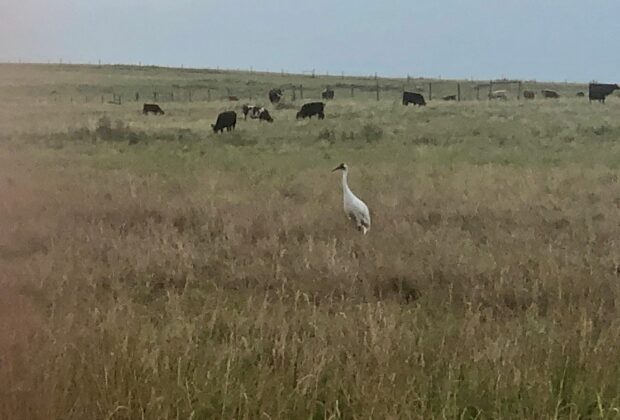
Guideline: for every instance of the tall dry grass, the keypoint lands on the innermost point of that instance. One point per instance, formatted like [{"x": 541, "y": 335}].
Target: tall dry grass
[{"x": 198, "y": 276}]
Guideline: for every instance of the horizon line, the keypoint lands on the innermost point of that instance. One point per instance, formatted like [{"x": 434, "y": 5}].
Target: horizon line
[{"x": 304, "y": 73}]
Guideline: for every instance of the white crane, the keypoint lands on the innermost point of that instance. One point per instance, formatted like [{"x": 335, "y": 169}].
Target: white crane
[{"x": 354, "y": 208}]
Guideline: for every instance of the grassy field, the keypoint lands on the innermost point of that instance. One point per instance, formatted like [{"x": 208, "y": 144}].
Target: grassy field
[{"x": 153, "y": 269}]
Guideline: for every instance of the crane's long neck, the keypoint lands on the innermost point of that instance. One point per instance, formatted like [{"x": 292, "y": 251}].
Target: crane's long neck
[{"x": 345, "y": 185}]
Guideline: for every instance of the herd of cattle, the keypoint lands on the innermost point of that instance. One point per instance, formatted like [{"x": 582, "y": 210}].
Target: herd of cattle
[
  {"x": 596, "y": 92},
  {"x": 228, "y": 119}
]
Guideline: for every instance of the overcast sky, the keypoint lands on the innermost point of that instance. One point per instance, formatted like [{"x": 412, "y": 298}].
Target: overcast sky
[{"x": 557, "y": 40}]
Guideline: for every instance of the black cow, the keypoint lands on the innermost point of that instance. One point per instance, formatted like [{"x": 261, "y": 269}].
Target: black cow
[
  {"x": 252, "y": 110},
  {"x": 327, "y": 94},
  {"x": 226, "y": 120},
  {"x": 275, "y": 95},
  {"x": 264, "y": 115},
  {"x": 413, "y": 98},
  {"x": 548, "y": 93},
  {"x": 153, "y": 108},
  {"x": 599, "y": 91},
  {"x": 528, "y": 94},
  {"x": 311, "y": 109},
  {"x": 449, "y": 98}
]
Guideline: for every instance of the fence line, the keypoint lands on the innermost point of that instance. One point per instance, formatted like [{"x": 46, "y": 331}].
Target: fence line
[{"x": 378, "y": 90}]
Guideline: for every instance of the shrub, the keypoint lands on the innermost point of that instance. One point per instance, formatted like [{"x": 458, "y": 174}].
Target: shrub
[
  {"x": 371, "y": 133},
  {"x": 602, "y": 129},
  {"x": 120, "y": 131},
  {"x": 424, "y": 140},
  {"x": 350, "y": 136},
  {"x": 104, "y": 128},
  {"x": 327, "y": 134}
]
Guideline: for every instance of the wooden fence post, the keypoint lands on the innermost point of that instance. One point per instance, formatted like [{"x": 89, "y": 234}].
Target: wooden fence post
[
  {"x": 102, "y": 99},
  {"x": 352, "y": 91},
  {"x": 430, "y": 91},
  {"x": 477, "y": 92},
  {"x": 172, "y": 96},
  {"x": 137, "y": 96},
  {"x": 301, "y": 88},
  {"x": 189, "y": 96},
  {"x": 519, "y": 91},
  {"x": 458, "y": 92},
  {"x": 209, "y": 94},
  {"x": 377, "y": 85},
  {"x": 154, "y": 96},
  {"x": 490, "y": 88}
]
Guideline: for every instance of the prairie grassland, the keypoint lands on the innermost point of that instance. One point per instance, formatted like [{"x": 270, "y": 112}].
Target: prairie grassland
[{"x": 152, "y": 269}]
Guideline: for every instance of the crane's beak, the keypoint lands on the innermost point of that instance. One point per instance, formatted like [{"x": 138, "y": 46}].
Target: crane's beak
[{"x": 335, "y": 169}]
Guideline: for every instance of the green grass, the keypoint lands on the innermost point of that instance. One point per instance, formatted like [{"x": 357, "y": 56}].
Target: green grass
[{"x": 158, "y": 270}]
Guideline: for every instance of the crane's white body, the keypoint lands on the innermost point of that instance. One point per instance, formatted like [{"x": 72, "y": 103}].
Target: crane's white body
[{"x": 354, "y": 208}]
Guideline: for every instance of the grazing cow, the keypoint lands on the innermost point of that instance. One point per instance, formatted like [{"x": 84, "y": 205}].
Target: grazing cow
[
  {"x": 275, "y": 95},
  {"x": 449, "y": 98},
  {"x": 528, "y": 94},
  {"x": 153, "y": 108},
  {"x": 233, "y": 98},
  {"x": 327, "y": 94},
  {"x": 599, "y": 91},
  {"x": 226, "y": 120},
  {"x": 256, "y": 112},
  {"x": 580, "y": 94},
  {"x": 413, "y": 98},
  {"x": 310, "y": 109},
  {"x": 548, "y": 93},
  {"x": 499, "y": 94},
  {"x": 252, "y": 110},
  {"x": 264, "y": 115}
]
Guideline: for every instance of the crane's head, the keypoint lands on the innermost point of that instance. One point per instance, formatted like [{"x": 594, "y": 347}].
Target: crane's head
[{"x": 341, "y": 167}]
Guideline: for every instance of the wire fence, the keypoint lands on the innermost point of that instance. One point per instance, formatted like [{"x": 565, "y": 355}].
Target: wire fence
[
  {"x": 432, "y": 91},
  {"x": 200, "y": 85}
]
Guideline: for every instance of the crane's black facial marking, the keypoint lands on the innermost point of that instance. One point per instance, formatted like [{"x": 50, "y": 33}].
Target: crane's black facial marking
[{"x": 340, "y": 167}]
